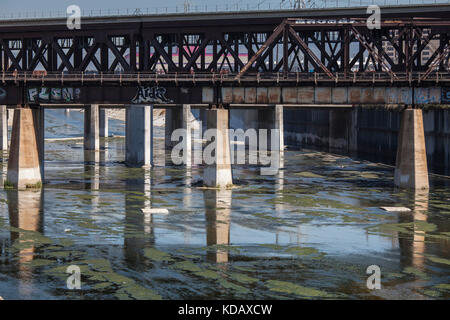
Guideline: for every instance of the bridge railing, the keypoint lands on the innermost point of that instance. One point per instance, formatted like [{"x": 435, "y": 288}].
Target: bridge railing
[
  {"x": 211, "y": 8},
  {"x": 43, "y": 77}
]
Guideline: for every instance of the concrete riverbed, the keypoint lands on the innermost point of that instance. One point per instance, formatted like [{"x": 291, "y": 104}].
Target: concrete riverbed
[{"x": 311, "y": 231}]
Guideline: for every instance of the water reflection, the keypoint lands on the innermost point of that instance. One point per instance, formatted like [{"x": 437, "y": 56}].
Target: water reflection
[
  {"x": 138, "y": 229},
  {"x": 217, "y": 210},
  {"x": 26, "y": 218},
  {"x": 413, "y": 247}
]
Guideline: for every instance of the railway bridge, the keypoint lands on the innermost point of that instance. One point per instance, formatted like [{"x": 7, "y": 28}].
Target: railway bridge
[{"x": 270, "y": 61}]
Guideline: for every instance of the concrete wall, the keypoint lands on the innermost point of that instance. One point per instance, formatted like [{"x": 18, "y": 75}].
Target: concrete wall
[{"x": 374, "y": 133}]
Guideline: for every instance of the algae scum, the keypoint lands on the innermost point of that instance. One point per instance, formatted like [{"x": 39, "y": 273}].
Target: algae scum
[{"x": 309, "y": 232}]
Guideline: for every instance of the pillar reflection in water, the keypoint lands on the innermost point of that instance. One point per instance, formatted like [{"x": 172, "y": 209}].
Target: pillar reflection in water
[
  {"x": 218, "y": 211},
  {"x": 138, "y": 231},
  {"x": 25, "y": 213},
  {"x": 413, "y": 248},
  {"x": 92, "y": 176}
]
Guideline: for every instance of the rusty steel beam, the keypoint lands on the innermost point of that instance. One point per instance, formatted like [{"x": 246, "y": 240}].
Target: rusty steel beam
[
  {"x": 372, "y": 52},
  {"x": 310, "y": 53},
  {"x": 278, "y": 30}
]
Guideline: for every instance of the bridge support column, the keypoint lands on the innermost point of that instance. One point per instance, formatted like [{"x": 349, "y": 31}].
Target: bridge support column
[
  {"x": 218, "y": 173},
  {"x": 23, "y": 164},
  {"x": 174, "y": 120},
  {"x": 91, "y": 128},
  {"x": 3, "y": 128},
  {"x": 411, "y": 170},
  {"x": 353, "y": 131},
  {"x": 187, "y": 121},
  {"x": 103, "y": 123},
  {"x": 271, "y": 118},
  {"x": 39, "y": 125},
  {"x": 139, "y": 136},
  {"x": 339, "y": 123}
]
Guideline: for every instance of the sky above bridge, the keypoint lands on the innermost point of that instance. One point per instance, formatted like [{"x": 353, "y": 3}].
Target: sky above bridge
[{"x": 14, "y": 6}]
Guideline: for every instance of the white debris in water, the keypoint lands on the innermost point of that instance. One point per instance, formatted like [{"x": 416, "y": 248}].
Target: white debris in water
[
  {"x": 396, "y": 209},
  {"x": 67, "y": 230},
  {"x": 155, "y": 211}
]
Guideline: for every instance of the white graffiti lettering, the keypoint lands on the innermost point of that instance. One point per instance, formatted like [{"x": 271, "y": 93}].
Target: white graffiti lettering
[{"x": 151, "y": 95}]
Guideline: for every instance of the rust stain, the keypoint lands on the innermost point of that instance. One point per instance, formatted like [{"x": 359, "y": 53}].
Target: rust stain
[
  {"x": 227, "y": 95},
  {"x": 238, "y": 95},
  {"x": 367, "y": 95},
  {"x": 289, "y": 95},
  {"x": 323, "y": 95},
  {"x": 250, "y": 95},
  {"x": 274, "y": 95},
  {"x": 305, "y": 95},
  {"x": 339, "y": 95},
  {"x": 354, "y": 95},
  {"x": 261, "y": 95},
  {"x": 379, "y": 95}
]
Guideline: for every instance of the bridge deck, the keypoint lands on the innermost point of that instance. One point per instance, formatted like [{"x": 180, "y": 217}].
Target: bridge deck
[{"x": 273, "y": 17}]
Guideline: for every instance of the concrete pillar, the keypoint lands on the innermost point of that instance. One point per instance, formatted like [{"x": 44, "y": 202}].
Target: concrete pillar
[
  {"x": 139, "y": 135},
  {"x": 103, "y": 122},
  {"x": 39, "y": 125},
  {"x": 10, "y": 114},
  {"x": 3, "y": 128},
  {"x": 353, "y": 131},
  {"x": 218, "y": 173},
  {"x": 411, "y": 170},
  {"x": 91, "y": 127},
  {"x": 23, "y": 165},
  {"x": 271, "y": 118},
  {"x": 174, "y": 120},
  {"x": 218, "y": 212},
  {"x": 339, "y": 122},
  {"x": 203, "y": 119},
  {"x": 187, "y": 121}
]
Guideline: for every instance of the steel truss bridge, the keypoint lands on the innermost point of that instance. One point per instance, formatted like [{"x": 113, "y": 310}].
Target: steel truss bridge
[{"x": 308, "y": 47}]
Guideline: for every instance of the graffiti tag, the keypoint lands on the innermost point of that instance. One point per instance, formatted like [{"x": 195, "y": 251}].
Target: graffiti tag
[
  {"x": 2, "y": 94},
  {"x": 151, "y": 95},
  {"x": 445, "y": 95},
  {"x": 45, "y": 94}
]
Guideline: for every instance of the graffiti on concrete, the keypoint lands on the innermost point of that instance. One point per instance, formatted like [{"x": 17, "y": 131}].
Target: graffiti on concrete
[
  {"x": 2, "y": 94},
  {"x": 427, "y": 95},
  {"x": 445, "y": 95},
  {"x": 61, "y": 95},
  {"x": 151, "y": 95}
]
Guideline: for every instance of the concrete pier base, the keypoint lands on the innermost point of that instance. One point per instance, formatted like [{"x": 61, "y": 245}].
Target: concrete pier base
[
  {"x": 139, "y": 136},
  {"x": 174, "y": 120},
  {"x": 23, "y": 165},
  {"x": 3, "y": 128},
  {"x": 91, "y": 127},
  {"x": 218, "y": 174},
  {"x": 39, "y": 126},
  {"x": 103, "y": 123},
  {"x": 187, "y": 121},
  {"x": 218, "y": 212},
  {"x": 271, "y": 118},
  {"x": 339, "y": 123},
  {"x": 411, "y": 170}
]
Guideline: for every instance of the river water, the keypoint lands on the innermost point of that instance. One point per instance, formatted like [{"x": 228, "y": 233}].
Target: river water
[{"x": 309, "y": 232}]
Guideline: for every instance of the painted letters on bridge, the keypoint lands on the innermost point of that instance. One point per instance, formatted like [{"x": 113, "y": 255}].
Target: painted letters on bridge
[
  {"x": 45, "y": 94},
  {"x": 151, "y": 95}
]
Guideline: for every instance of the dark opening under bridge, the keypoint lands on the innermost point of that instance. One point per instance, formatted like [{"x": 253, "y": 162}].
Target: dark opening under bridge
[{"x": 260, "y": 59}]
